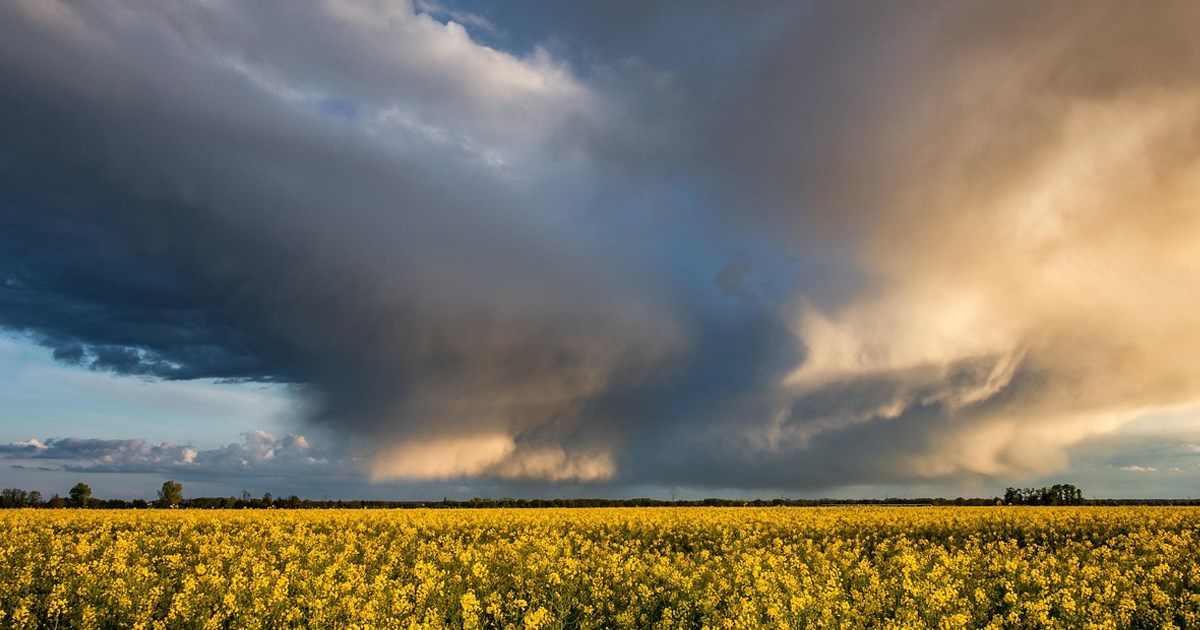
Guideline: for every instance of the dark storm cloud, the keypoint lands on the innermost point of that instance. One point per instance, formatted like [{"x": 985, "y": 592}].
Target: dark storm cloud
[
  {"x": 179, "y": 207},
  {"x": 823, "y": 244},
  {"x": 73, "y": 286}
]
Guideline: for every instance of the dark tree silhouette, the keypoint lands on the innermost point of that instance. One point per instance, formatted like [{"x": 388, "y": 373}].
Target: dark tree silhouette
[
  {"x": 1058, "y": 494},
  {"x": 171, "y": 494},
  {"x": 80, "y": 494}
]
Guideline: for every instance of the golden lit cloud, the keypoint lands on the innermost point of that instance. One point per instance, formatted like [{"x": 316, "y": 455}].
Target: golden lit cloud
[{"x": 1043, "y": 233}]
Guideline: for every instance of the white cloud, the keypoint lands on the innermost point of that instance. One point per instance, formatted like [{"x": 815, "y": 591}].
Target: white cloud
[
  {"x": 399, "y": 71},
  {"x": 1139, "y": 469}
]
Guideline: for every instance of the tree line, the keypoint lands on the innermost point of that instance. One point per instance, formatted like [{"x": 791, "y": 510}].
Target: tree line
[
  {"x": 80, "y": 497},
  {"x": 170, "y": 495},
  {"x": 1058, "y": 494}
]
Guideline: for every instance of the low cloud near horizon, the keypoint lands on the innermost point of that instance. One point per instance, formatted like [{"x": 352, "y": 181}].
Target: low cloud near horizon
[
  {"x": 836, "y": 244},
  {"x": 259, "y": 454}
]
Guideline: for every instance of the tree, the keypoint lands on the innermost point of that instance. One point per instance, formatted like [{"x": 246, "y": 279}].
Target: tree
[
  {"x": 80, "y": 494},
  {"x": 171, "y": 494},
  {"x": 13, "y": 497}
]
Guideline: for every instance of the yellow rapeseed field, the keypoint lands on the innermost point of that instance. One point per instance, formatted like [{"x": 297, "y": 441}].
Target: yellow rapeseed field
[{"x": 603, "y": 568}]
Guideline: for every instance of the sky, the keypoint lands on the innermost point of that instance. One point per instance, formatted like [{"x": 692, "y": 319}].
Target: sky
[{"x": 407, "y": 250}]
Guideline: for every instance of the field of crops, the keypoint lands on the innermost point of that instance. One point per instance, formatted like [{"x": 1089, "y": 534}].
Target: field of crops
[{"x": 603, "y": 568}]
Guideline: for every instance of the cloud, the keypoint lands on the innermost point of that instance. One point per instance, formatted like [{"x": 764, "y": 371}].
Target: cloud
[
  {"x": 259, "y": 454},
  {"x": 1016, "y": 186},
  {"x": 473, "y": 21},
  {"x": 836, "y": 245},
  {"x": 408, "y": 259},
  {"x": 1022, "y": 206},
  {"x": 496, "y": 456},
  {"x": 1139, "y": 469}
]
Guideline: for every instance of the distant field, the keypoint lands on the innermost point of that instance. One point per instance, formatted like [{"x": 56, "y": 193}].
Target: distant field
[{"x": 603, "y": 568}]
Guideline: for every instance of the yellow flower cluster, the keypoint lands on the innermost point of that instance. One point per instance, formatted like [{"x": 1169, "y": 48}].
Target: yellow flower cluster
[{"x": 603, "y": 568}]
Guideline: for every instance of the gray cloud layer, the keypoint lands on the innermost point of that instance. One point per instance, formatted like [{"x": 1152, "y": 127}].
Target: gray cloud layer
[
  {"x": 838, "y": 244},
  {"x": 259, "y": 454}
]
